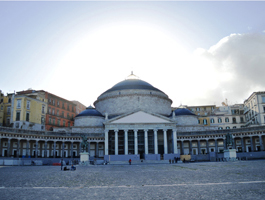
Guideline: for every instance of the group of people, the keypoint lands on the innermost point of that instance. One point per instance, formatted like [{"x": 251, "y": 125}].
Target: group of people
[{"x": 73, "y": 168}]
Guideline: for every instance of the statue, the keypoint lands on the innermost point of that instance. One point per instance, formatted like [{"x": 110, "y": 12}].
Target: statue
[
  {"x": 229, "y": 140},
  {"x": 84, "y": 143}
]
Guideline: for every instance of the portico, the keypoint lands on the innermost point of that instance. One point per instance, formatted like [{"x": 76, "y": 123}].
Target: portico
[{"x": 141, "y": 134}]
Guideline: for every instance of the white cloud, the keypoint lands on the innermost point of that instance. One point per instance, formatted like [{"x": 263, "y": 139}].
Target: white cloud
[{"x": 239, "y": 63}]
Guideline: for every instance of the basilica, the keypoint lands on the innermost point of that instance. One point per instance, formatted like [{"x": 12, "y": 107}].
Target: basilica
[{"x": 133, "y": 120}]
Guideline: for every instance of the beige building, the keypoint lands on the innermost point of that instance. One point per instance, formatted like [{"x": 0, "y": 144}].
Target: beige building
[{"x": 254, "y": 109}]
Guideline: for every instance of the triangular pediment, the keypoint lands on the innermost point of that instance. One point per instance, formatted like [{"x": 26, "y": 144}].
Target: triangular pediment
[{"x": 140, "y": 117}]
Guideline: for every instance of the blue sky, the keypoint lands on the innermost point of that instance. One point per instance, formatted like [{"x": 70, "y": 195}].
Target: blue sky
[{"x": 77, "y": 50}]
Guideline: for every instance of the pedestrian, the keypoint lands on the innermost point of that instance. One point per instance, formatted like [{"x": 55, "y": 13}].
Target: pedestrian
[
  {"x": 62, "y": 164},
  {"x": 73, "y": 168},
  {"x": 169, "y": 161},
  {"x": 130, "y": 161}
]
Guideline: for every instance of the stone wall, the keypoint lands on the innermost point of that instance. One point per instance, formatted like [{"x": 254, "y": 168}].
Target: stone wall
[{"x": 99, "y": 130}]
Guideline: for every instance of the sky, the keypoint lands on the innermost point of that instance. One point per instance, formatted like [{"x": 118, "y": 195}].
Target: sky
[{"x": 198, "y": 53}]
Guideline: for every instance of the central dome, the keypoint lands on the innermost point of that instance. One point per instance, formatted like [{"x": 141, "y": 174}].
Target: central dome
[
  {"x": 129, "y": 84},
  {"x": 133, "y": 94}
]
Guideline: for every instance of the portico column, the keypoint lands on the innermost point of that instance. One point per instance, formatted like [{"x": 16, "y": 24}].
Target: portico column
[
  {"x": 54, "y": 149},
  {"x": 261, "y": 143},
  {"x": 116, "y": 143},
  {"x": 80, "y": 147},
  {"x": 135, "y": 142},
  {"x": 207, "y": 146},
  {"x": 146, "y": 141},
  {"x": 199, "y": 147},
  {"x": 242, "y": 144},
  {"x": 251, "y": 143},
  {"x": 175, "y": 145},
  {"x": 190, "y": 147},
  {"x": 72, "y": 149},
  {"x": 126, "y": 142},
  {"x": 36, "y": 149},
  {"x": 155, "y": 141},
  {"x": 63, "y": 150},
  {"x": 45, "y": 149},
  {"x": 8, "y": 147},
  {"x": 216, "y": 145},
  {"x": 165, "y": 141},
  {"x": 182, "y": 147},
  {"x": 106, "y": 142}
]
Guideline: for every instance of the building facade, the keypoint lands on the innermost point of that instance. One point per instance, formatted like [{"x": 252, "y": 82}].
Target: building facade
[{"x": 134, "y": 120}]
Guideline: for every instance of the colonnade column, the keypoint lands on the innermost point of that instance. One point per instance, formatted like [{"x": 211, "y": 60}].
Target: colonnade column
[
  {"x": 80, "y": 147},
  {"x": 135, "y": 142},
  {"x": 216, "y": 145},
  {"x": 45, "y": 149},
  {"x": 8, "y": 147},
  {"x": 126, "y": 142},
  {"x": 63, "y": 150},
  {"x": 88, "y": 148},
  {"x": 36, "y": 149},
  {"x": 54, "y": 149},
  {"x": 234, "y": 144},
  {"x": 175, "y": 144},
  {"x": 260, "y": 143},
  {"x": 165, "y": 141},
  {"x": 251, "y": 143},
  {"x": 182, "y": 147},
  {"x": 224, "y": 144},
  {"x": 199, "y": 147},
  {"x": 96, "y": 153},
  {"x": 116, "y": 142},
  {"x": 155, "y": 141},
  {"x": 242, "y": 144},
  {"x": 18, "y": 146},
  {"x": 207, "y": 146},
  {"x": 190, "y": 147},
  {"x": 72, "y": 147},
  {"x": 146, "y": 141},
  {"x": 106, "y": 142}
]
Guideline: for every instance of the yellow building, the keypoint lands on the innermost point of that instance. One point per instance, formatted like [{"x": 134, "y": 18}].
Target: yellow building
[{"x": 29, "y": 111}]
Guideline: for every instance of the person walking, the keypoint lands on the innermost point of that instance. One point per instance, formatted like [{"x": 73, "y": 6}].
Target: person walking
[{"x": 130, "y": 161}]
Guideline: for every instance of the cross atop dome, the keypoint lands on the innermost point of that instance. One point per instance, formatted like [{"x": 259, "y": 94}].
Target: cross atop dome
[{"x": 132, "y": 76}]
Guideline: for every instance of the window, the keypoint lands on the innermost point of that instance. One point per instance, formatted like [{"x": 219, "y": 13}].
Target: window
[
  {"x": 59, "y": 122},
  {"x": 227, "y": 127},
  {"x": 8, "y": 120},
  {"x": 28, "y": 104},
  {"x": 57, "y": 112},
  {"x": 63, "y": 105},
  {"x": 198, "y": 109},
  {"x": 226, "y": 119},
  {"x": 220, "y": 128},
  {"x": 212, "y": 120},
  {"x": 8, "y": 110},
  {"x": 43, "y": 109},
  {"x": 68, "y": 116},
  {"x": 234, "y": 120},
  {"x": 234, "y": 126},
  {"x": 68, "y": 108},
  {"x": 219, "y": 120},
  {"x": 63, "y": 123},
  {"x": 241, "y": 119},
  {"x": 199, "y": 122},
  {"x": 9, "y": 100},
  {"x": 58, "y": 103},
  {"x": 19, "y": 103},
  {"x": 62, "y": 113},
  {"x": 69, "y": 124},
  {"x": 27, "y": 116},
  {"x": 49, "y": 110},
  {"x": 53, "y": 102},
  {"x": 2, "y": 107},
  {"x": 205, "y": 122},
  {"x": 17, "y": 116},
  {"x": 53, "y": 111},
  {"x": 50, "y": 120},
  {"x": 53, "y": 121},
  {"x": 263, "y": 99},
  {"x": 42, "y": 120}
]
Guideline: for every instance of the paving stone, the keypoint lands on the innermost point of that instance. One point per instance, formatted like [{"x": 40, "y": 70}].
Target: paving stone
[{"x": 201, "y": 180}]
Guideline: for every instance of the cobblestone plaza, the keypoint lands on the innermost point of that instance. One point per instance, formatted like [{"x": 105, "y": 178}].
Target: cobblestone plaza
[{"x": 200, "y": 180}]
